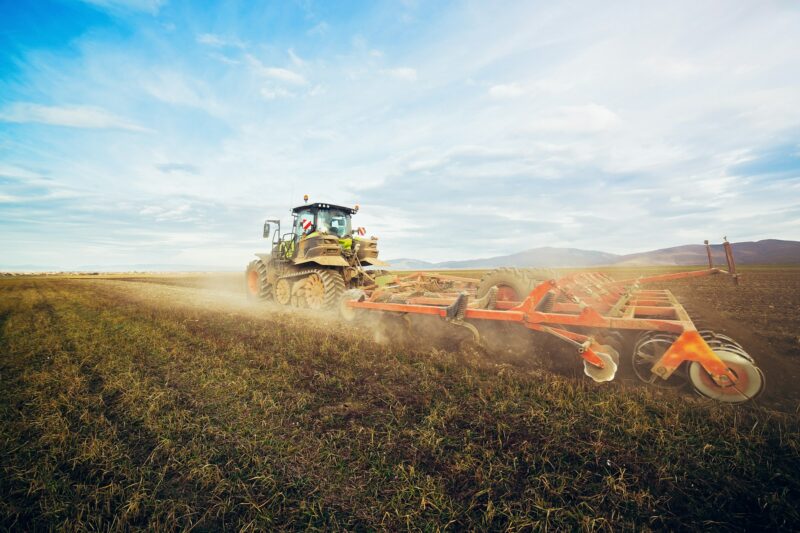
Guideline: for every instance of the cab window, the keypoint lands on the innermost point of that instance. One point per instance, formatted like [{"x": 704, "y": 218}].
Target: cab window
[
  {"x": 301, "y": 220},
  {"x": 334, "y": 222}
]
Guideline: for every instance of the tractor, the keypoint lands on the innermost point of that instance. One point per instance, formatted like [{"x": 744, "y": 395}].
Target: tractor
[{"x": 316, "y": 262}]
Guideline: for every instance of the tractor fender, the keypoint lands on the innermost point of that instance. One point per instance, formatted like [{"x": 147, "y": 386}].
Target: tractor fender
[{"x": 324, "y": 260}]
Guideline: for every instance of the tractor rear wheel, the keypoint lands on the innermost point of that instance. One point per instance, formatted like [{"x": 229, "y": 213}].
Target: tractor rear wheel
[
  {"x": 255, "y": 281},
  {"x": 513, "y": 284},
  {"x": 323, "y": 289}
]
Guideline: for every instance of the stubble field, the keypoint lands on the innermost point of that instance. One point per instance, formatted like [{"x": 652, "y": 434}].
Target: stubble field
[{"x": 169, "y": 402}]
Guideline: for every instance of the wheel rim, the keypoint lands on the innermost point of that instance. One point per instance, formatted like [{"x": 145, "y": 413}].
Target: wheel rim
[
  {"x": 646, "y": 353},
  {"x": 315, "y": 291},
  {"x": 283, "y": 292},
  {"x": 252, "y": 282},
  {"x": 749, "y": 384}
]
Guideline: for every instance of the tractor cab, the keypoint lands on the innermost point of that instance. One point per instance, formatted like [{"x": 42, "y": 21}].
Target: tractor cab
[
  {"x": 322, "y": 218},
  {"x": 322, "y": 234}
]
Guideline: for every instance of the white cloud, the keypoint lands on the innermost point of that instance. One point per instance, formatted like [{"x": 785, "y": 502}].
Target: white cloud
[
  {"x": 210, "y": 39},
  {"x": 174, "y": 213},
  {"x": 273, "y": 93},
  {"x": 276, "y": 73},
  {"x": 217, "y": 41},
  {"x": 70, "y": 116},
  {"x": 282, "y": 74},
  {"x": 584, "y": 118},
  {"x": 17, "y": 172},
  {"x": 508, "y": 90},
  {"x": 174, "y": 88},
  {"x": 296, "y": 60},
  {"x": 674, "y": 68},
  {"x": 401, "y": 73}
]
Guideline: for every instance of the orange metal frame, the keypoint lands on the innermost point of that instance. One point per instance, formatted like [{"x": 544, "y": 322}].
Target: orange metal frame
[{"x": 585, "y": 300}]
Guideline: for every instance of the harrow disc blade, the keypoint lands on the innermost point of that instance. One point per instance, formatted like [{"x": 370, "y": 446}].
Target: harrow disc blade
[
  {"x": 750, "y": 381},
  {"x": 606, "y": 373}
]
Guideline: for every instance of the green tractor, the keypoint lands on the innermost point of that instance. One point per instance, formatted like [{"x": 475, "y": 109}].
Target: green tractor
[{"x": 316, "y": 262}]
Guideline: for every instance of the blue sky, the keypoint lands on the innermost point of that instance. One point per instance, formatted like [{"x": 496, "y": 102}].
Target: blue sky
[{"x": 156, "y": 131}]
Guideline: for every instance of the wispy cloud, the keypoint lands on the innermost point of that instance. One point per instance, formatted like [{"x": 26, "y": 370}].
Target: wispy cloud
[
  {"x": 178, "y": 167},
  {"x": 583, "y": 118},
  {"x": 70, "y": 116},
  {"x": 275, "y": 73},
  {"x": 150, "y": 6},
  {"x": 506, "y": 90},
  {"x": 175, "y": 88},
  {"x": 217, "y": 41},
  {"x": 402, "y": 73}
]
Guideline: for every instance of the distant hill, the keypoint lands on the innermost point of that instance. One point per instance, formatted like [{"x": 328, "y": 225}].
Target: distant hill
[
  {"x": 765, "y": 252},
  {"x": 538, "y": 257},
  {"x": 410, "y": 264}
]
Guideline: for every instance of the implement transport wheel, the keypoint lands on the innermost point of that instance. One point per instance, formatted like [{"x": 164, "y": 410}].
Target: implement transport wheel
[
  {"x": 283, "y": 291},
  {"x": 323, "y": 288},
  {"x": 348, "y": 313},
  {"x": 513, "y": 284},
  {"x": 749, "y": 384},
  {"x": 255, "y": 281},
  {"x": 648, "y": 350}
]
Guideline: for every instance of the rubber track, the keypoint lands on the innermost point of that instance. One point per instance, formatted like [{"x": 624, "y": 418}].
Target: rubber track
[{"x": 331, "y": 280}]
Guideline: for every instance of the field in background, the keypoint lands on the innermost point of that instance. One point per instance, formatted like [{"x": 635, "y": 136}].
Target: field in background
[{"x": 167, "y": 401}]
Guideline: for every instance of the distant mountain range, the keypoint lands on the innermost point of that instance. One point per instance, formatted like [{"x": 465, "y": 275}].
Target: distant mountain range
[{"x": 766, "y": 252}]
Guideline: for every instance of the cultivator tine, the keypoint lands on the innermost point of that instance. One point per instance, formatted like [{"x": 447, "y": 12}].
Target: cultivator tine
[
  {"x": 487, "y": 301},
  {"x": 458, "y": 309}
]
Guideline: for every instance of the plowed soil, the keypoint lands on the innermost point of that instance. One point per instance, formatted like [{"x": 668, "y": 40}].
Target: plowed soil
[{"x": 169, "y": 402}]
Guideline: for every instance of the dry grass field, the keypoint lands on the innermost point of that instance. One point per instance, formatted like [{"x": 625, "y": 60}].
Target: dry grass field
[{"x": 168, "y": 402}]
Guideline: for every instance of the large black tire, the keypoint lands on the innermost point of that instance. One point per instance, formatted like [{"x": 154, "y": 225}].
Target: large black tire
[
  {"x": 255, "y": 281},
  {"x": 513, "y": 284},
  {"x": 323, "y": 289}
]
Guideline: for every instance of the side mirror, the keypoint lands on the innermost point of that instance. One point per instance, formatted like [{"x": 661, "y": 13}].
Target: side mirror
[{"x": 266, "y": 230}]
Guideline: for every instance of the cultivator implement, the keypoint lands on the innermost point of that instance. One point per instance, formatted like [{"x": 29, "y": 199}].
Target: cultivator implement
[{"x": 590, "y": 311}]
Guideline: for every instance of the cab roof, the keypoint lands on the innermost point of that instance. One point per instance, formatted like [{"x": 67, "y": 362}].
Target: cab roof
[{"x": 320, "y": 205}]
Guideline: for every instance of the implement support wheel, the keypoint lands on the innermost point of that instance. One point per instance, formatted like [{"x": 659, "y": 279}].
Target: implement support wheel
[{"x": 749, "y": 384}]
